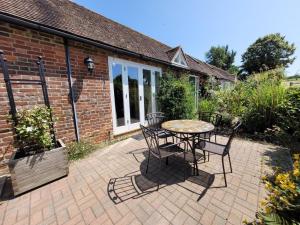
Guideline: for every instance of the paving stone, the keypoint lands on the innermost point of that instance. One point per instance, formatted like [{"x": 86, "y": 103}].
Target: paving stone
[
  {"x": 207, "y": 217},
  {"x": 83, "y": 197}
]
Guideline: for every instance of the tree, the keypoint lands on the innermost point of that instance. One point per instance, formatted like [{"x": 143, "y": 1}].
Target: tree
[
  {"x": 221, "y": 57},
  {"x": 266, "y": 53},
  {"x": 234, "y": 70}
]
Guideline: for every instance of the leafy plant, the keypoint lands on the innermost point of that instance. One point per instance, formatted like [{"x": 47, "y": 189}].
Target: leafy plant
[
  {"x": 266, "y": 53},
  {"x": 256, "y": 100},
  {"x": 208, "y": 105},
  {"x": 176, "y": 97},
  {"x": 282, "y": 204},
  {"x": 221, "y": 57},
  {"x": 33, "y": 129},
  {"x": 78, "y": 150},
  {"x": 289, "y": 113}
]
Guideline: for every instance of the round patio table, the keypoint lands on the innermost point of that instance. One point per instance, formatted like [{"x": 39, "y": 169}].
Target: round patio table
[{"x": 189, "y": 129}]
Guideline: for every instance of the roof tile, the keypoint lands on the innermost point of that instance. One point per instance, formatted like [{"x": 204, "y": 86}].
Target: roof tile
[{"x": 68, "y": 16}]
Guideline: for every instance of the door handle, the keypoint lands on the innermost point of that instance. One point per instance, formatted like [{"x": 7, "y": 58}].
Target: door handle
[{"x": 140, "y": 98}]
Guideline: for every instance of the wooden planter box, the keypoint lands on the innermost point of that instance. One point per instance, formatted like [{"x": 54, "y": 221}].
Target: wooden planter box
[{"x": 33, "y": 171}]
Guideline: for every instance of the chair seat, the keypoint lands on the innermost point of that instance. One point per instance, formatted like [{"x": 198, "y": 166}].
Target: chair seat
[
  {"x": 211, "y": 147},
  {"x": 163, "y": 134},
  {"x": 190, "y": 158},
  {"x": 169, "y": 149}
]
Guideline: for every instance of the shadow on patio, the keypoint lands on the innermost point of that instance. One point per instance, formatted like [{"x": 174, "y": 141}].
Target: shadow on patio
[{"x": 139, "y": 183}]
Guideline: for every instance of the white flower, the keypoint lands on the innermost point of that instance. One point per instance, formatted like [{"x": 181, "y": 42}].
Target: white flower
[{"x": 29, "y": 129}]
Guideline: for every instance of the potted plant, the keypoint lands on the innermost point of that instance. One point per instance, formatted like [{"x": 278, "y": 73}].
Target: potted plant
[{"x": 38, "y": 159}]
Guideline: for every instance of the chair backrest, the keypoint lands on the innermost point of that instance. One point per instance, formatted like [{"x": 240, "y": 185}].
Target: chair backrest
[
  {"x": 214, "y": 118},
  {"x": 151, "y": 140},
  {"x": 205, "y": 116},
  {"x": 155, "y": 120},
  {"x": 235, "y": 128}
]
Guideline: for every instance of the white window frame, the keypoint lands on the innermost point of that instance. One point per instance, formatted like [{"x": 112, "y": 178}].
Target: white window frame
[
  {"x": 179, "y": 54},
  {"x": 125, "y": 63}
]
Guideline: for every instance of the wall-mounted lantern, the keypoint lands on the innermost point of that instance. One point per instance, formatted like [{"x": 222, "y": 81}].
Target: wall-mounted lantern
[{"x": 89, "y": 63}]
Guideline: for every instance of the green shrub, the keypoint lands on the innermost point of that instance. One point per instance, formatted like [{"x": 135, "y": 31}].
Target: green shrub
[
  {"x": 78, "y": 150},
  {"x": 176, "y": 97},
  {"x": 263, "y": 105},
  {"x": 289, "y": 113},
  {"x": 33, "y": 129},
  {"x": 208, "y": 105},
  {"x": 256, "y": 100},
  {"x": 282, "y": 204}
]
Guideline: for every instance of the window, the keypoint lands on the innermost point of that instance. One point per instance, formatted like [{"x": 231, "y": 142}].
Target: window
[
  {"x": 179, "y": 58},
  {"x": 194, "y": 80}
]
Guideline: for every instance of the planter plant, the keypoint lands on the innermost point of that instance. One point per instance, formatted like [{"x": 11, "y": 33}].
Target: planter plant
[{"x": 38, "y": 159}]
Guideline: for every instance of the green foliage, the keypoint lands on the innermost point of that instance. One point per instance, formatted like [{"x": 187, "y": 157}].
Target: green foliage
[
  {"x": 295, "y": 77},
  {"x": 266, "y": 53},
  {"x": 233, "y": 69},
  {"x": 256, "y": 100},
  {"x": 208, "y": 105},
  {"x": 33, "y": 128},
  {"x": 176, "y": 97},
  {"x": 263, "y": 106},
  {"x": 282, "y": 204},
  {"x": 78, "y": 150},
  {"x": 221, "y": 57},
  {"x": 289, "y": 113}
]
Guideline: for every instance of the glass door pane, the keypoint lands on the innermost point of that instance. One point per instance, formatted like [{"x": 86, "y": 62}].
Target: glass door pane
[
  {"x": 156, "y": 90},
  {"x": 118, "y": 93},
  {"x": 133, "y": 89},
  {"x": 194, "y": 81},
  {"x": 147, "y": 91}
]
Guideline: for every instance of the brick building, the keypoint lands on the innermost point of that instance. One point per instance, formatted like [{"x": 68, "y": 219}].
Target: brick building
[{"x": 110, "y": 100}]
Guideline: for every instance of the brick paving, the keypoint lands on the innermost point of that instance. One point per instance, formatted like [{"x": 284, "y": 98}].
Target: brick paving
[{"x": 111, "y": 187}]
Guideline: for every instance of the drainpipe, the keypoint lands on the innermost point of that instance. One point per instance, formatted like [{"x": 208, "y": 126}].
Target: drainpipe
[{"x": 69, "y": 74}]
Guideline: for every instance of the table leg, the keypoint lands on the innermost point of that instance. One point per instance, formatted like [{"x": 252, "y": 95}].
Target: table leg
[{"x": 194, "y": 154}]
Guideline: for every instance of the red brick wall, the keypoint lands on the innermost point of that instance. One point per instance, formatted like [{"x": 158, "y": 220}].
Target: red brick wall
[
  {"x": 91, "y": 92},
  {"x": 21, "y": 47}
]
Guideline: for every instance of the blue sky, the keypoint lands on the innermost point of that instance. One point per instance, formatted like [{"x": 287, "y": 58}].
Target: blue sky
[{"x": 197, "y": 25}]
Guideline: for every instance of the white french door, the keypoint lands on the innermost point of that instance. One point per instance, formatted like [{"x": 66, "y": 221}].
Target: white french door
[{"x": 133, "y": 93}]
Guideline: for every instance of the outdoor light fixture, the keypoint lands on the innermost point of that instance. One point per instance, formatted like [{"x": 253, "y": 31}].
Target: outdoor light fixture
[{"x": 89, "y": 63}]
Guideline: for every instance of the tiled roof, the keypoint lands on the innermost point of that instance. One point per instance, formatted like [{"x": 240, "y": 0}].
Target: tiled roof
[{"x": 70, "y": 17}]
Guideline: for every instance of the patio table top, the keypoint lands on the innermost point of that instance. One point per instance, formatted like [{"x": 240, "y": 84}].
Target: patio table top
[{"x": 188, "y": 126}]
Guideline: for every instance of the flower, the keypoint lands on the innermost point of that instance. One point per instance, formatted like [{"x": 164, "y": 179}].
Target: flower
[
  {"x": 29, "y": 129},
  {"x": 296, "y": 173}
]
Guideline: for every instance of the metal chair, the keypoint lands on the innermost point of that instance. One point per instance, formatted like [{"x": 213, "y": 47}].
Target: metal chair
[
  {"x": 161, "y": 151},
  {"x": 215, "y": 119},
  {"x": 220, "y": 149},
  {"x": 154, "y": 123}
]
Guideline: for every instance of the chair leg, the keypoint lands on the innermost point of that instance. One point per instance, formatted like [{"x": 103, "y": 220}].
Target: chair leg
[
  {"x": 230, "y": 163},
  {"x": 184, "y": 166},
  {"x": 204, "y": 154},
  {"x": 158, "y": 181},
  {"x": 148, "y": 162},
  {"x": 207, "y": 156},
  {"x": 224, "y": 171}
]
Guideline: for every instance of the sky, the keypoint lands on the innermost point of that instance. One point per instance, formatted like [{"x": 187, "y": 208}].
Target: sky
[{"x": 197, "y": 25}]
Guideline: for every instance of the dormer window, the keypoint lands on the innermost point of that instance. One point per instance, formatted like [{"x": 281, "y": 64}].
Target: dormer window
[{"x": 179, "y": 58}]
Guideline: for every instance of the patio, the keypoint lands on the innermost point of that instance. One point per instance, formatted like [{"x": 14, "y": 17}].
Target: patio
[{"x": 111, "y": 187}]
